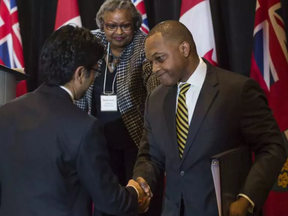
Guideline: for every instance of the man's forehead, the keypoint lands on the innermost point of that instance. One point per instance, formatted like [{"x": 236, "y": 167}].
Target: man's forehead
[
  {"x": 157, "y": 44},
  {"x": 154, "y": 44},
  {"x": 157, "y": 38}
]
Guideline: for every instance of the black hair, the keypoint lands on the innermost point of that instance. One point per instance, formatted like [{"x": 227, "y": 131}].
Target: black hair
[
  {"x": 174, "y": 31},
  {"x": 65, "y": 50}
]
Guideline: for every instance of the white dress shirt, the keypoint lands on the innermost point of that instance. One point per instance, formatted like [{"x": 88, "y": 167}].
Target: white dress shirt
[
  {"x": 68, "y": 91},
  {"x": 196, "y": 81}
]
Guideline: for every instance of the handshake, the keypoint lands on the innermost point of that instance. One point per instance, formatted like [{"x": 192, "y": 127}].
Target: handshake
[{"x": 144, "y": 193}]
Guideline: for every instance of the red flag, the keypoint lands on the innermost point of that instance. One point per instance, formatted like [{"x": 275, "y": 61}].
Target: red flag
[
  {"x": 269, "y": 67},
  {"x": 196, "y": 16},
  {"x": 11, "y": 54},
  {"x": 67, "y": 13},
  {"x": 139, "y": 4}
]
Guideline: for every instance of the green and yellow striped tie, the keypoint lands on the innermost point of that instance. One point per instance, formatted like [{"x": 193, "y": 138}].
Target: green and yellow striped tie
[{"x": 182, "y": 120}]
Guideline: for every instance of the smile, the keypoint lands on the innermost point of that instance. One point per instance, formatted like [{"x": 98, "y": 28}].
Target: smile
[
  {"x": 118, "y": 38},
  {"x": 159, "y": 75}
]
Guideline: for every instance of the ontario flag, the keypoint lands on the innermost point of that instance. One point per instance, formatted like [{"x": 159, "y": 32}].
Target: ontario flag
[
  {"x": 196, "y": 16},
  {"x": 67, "y": 13},
  {"x": 139, "y": 4},
  {"x": 11, "y": 54},
  {"x": 269, "y": 67}
]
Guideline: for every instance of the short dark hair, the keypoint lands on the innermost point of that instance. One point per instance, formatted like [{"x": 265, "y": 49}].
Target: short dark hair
[
  {"x": 65, "y": 50},
  {"x": 112, "y": 5},
  {"x": 173, "y": 31}
]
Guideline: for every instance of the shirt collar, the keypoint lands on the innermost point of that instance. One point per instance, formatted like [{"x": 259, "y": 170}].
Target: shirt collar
[
  {"x": 68, "y": 91},
  {"x": 198, "y": 76}
]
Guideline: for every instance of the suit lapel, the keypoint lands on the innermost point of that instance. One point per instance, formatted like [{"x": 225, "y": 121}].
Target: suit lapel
[
  {"x": 170, "y": 116},
  {"x": 207, "y": 95}
]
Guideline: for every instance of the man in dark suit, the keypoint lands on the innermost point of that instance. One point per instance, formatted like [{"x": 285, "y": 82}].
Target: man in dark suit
[
  {"x": 53, "y": 155},
  {"x": 200, "y": 111}
]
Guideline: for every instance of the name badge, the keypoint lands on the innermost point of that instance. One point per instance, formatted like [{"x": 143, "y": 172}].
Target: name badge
[{"x": 108, "y": 103}]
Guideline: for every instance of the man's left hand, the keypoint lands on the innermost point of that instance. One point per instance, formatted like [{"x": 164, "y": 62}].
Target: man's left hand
[{"x": 239, "y": 207}]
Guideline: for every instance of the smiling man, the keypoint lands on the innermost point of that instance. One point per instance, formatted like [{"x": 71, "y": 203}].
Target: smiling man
[{"x": 200, "y": 111}]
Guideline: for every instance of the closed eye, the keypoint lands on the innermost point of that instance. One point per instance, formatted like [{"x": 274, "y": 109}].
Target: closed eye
[{"x": 160, "y": 59}]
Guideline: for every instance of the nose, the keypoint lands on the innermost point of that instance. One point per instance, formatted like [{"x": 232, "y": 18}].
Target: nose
[
  {"x": 119, "y": 30},
  {"x": 155, "y": 68}
]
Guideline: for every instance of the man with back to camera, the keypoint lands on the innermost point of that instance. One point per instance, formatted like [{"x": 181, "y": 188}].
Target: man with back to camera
[
  {"x": 53, "y": 156},
  {"x": 200, "y": 111}
]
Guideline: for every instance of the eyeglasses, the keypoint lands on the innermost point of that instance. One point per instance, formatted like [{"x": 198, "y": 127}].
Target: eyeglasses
[
  {"x": 95, "y": 69},
  {"x": 113, "y": 27},
  {"x": 96, "y": 72}
]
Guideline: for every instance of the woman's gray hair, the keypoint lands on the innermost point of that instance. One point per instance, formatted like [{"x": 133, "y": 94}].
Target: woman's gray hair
[{"x": 112, "y": 5}]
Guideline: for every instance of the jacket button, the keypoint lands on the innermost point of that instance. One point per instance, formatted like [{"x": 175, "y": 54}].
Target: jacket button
[
  {"x": 182, "y": 173},
  {"x": 177, "y": 205}
]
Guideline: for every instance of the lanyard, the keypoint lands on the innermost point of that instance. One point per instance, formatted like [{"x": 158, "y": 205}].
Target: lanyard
[{"x": 105, "y": 75}]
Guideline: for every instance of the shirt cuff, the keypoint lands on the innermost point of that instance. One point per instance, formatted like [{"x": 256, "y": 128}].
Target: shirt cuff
[
  {"x": 252, "y": 205},
  {"x": 135, "y": 190}
]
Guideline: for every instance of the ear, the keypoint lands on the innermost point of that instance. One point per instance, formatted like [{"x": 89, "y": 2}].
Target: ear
[
  {"x": 79, "y": 74},
  {"x": 185, "y": 48}
]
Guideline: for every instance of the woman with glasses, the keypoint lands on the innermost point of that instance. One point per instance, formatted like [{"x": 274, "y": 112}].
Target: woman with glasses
[{"x": 117, "y": 96}]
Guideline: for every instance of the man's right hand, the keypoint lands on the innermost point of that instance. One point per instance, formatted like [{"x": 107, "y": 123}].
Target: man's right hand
[
  {"x": 144, "y": 185},
  {"x": 143, "y": 199}
]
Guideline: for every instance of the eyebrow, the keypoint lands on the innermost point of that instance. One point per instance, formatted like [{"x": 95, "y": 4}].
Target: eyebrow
[
  {"x": 110, "y": 22},
  {"x": 157, "y": 54}
]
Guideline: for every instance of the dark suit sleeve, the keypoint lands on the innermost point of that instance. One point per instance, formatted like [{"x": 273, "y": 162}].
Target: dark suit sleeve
[
  {"x": 97, "y": 177},
  {"x": 0, "y": 194},
  {"x": 260, "y": 130},
  {"x": 150, "y": 162}
]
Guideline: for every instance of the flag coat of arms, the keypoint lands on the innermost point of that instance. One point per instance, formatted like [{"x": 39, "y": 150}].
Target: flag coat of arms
[{"x": 269, "y": 67}]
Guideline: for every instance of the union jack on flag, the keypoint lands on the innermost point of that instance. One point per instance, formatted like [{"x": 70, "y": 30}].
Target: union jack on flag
[
  {"x": 139, "y": 4},
  {"x": 11, "y": 54},
  {"x": 10, "y": 39}
]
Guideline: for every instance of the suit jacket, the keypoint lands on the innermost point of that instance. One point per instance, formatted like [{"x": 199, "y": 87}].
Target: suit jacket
[
  {"x": 53, "y": 159},
  {"x": 231, "y": 111}
]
